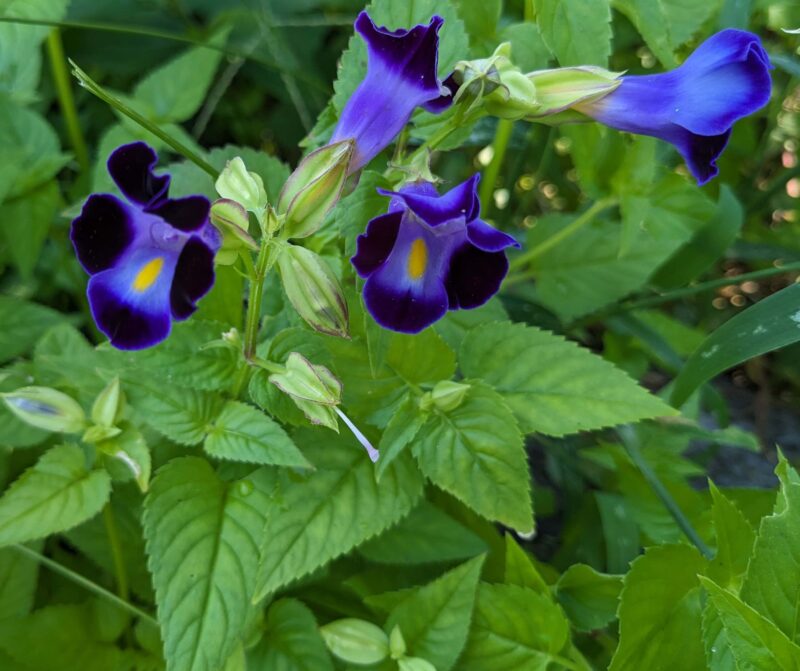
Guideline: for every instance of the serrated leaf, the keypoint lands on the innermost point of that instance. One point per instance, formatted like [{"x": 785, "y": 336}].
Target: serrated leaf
[
  {"x": 588, "y": 597},
  {"x": 55, "y": 494},
  {"x": 660, "y": 604},
  {"x": 400, "y": 432},
  {"x": 718, "y": 652},
  {"x": 528, "y": 50},
  {"x": 578, "y": 32},
  {"x": 202, "y": 545},
  {"x": 435, "y": 620},
  {"x": 328, "y": 512},
  {"x": 291, "y": 641},
  {"x": 476, "y": 453},
  {"x": 735, "y": 538},
  {"x": 18, "y": 577},
  {"x": 501, "y": 640},
  {"x": 27, "y": 222},
  {"x": 519, "y": 570},
  {"x": 23, "y": 324},
  {"x": 242, "y": 433},
  {"x": 552, "y": 385},
  {"x": 755, "y": 642}
]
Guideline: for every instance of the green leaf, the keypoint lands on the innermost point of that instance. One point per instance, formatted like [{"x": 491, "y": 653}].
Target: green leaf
[
  {"x": 552, "y": 385},
  {"x": 528, "y": 50},
  {"x": 129, "y": 456},
  {"x": 27, "y": 223},
  {"x": 53, "y": 495},
  {"x": 718, "y": 651},
  {"x": 755, "y": 642},
  {"x": 291, "y": 641},
  {"x": 18, "y": 577},
  {"x": 772, "y": 582},
  {"x": 578, "y": 32},
  {"x": 735, "y": 538},
  {"x": 435, "y": 620},
  {"x": 242, "y": 433},
  {"x": 328, "y": 512},
  {"x": 427, "y": 535},
  {"x": 480, "y": 19},
  {"x": 520, "y": 569},
  {"x": 659, "y": 605},
  {"x": 501, "y": 640},
  {"x": 476, "y": 453},
  {"x": 23, "y": 324},
  {"x": 400, "y": 432},
  {"x": 202, "y": 546},
  {"x": 770, "y": 324},
  {"x": 589, "y": 598}
]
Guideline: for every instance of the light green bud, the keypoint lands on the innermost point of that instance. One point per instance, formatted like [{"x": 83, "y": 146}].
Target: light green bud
[
  {"x": 96, "y": 433},
  {"x": 47, "y": 409},
  {"x": 108, "y": 405},
  {"x": 356, "y": 641},
  {"x": 237, "y": 183},
  {"x": 232, "y": 221},
  {"x": 562, "y": 88},
  {"x": 314, "y": 188},
  {"x": 414, "y": 664},
  {"x": 313, "y": 290},
  {"x": 397, "y": 644},
  {"x": 314, "y": 389},
  {"x": 447, "y": 395}
]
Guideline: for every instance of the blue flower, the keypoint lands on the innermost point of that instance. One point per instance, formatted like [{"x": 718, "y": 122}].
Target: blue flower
[
  {"x": 694, "y": 106},
  {"x": 429, "y": 254},
  {"x": 401, "y": 76},
  {"x": 150, "y": 259}
]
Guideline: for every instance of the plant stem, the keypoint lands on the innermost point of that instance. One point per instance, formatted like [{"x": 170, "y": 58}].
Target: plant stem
[
  {"x": 582, "y": 220},
  {"x": 500, "y": 144},
  {"x": 83, "y": 582},
  {"x": 93, "y": 87},
  {"x": 66, "y": 101},
  {"x": 253, "y": 318},
  {"x": 630, "y": 442},
  {"x": 116, "y": 552}
]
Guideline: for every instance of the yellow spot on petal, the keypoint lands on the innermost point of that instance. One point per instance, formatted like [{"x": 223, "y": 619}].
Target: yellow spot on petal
[
  {"x": 148, "y": 274},
  {"x": 417, "y": 259}
]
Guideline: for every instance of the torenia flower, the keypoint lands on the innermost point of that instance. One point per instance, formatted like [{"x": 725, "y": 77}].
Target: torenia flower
[
  {"x": 695, "y": 105},
  {"x": 429, "y": 254},
  {"x": 401, "y": 75},
  {"x": 150, "y": 258}
]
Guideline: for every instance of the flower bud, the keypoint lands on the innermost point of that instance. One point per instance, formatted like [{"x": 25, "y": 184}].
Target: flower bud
[
  {"x": 314, "y": 188},
  {"x": 313, "y": 290},
  {"x": 356, "y": 641},
  {"x": 560, "y": 89},
  {"x": 97, "y": 433},
  {"x": 231, "y": 219},
  {"x": 108, "y": 405},
  {"x": 397, "y": 644},
  {"x": 314, "y": 389},
  {"x": 235, "y": 182},
  {"x": 46, "y": 409},
  {"x": 447, "y": 395}
]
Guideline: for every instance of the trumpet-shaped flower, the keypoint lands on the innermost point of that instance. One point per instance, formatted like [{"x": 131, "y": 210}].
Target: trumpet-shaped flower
[
  {"x": 429, "y": 254},
  {"x": 150, "y": 259},
  {"x": 694, "y": 106},
  {"x": 401, "y": 76}
]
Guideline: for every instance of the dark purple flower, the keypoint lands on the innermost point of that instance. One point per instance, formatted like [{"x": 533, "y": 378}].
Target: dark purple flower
[
  {"x": 695, "y": 105},
  {"x": 429, "y": 254},
  {"x": 401, "y": 75},
  {"x": 150, "y": 258}
]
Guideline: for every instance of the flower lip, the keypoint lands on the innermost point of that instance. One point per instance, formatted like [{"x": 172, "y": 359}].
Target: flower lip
[{"x": 131, "y": 167}]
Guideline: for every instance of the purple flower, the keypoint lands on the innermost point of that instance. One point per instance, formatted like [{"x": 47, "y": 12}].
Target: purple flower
[
  {"x": 695, "y": 105},
  {"x": 401, "y": 75},
  {"x": 150, "y": 259},
  {"x": 428, "y": 255}
]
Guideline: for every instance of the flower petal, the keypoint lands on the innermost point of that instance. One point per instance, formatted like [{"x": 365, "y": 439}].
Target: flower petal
[
  {"x": 445, "y": 99},
  {"x": 131, "y": 168},
  {"x": 103, "y": 231},
  {"x": 375, "y": 244},
  {"x": 475, "y": 276},
  {"x": 488, "y": 238},
  {"x": 193, "y": 279},
  {"x": 700, "y": 152},
  {"x": 185, "y": 214},
  {"x": 434, "y": 210}
]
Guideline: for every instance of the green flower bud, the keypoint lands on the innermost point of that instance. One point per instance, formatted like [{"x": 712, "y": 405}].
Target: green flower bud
[
  {"x": 562, "y": 88},
  {"x": 232, "y": 221},
  {"x": 108, "y": 405},
  {"x": 314, "y": 188},
  {"x": 414, "y": 664},
  {"x": 397, "y": 644},
  {"x": 235, "y": 182},
  {"x": 314, "y": 389},
  {"x": 97, "y": 434},
  {"x": 356, "y": 641},
  {"x": 46, "y": 409},
  {"x": 313, "y": 290},
  {"x": 447, "y": 395}
]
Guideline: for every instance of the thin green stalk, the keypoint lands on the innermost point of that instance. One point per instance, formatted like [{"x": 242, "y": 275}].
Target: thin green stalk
[
  {"x": 120, "y": 571},
  {"x": 500, "y": 144},
  {"x": 94, "y": 88},
  {"x": 83, "y": 582},
  {"x": 631, "y": 445},
  {"x": 66, "y": 101},
  {"x": 253, "y": 318},
  {"x": 585, "y": 218}
]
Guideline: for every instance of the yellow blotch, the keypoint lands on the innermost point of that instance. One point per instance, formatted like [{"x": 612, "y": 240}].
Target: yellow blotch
[
  {"x": 148, "y": 274},
  {"x": 417, "y": 259}
]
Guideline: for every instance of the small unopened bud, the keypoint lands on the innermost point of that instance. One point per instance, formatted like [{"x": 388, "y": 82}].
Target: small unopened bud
[
  {"x": 235, "y": 182},
  {"x": 231, "y": 219},
  {"x": 356, "y": 641},
  {"x": 97, "y": 433},
  {"x": 108, "y": 405},
  {"x": 313, "y": 290},
  {"x": 447, "y": 395},
  {"x": 46, "y": 409},
  {"x": 562, "y": 88},
  {"x": 314, "y": 188},
  {"x": 314, "y": 389},
  {"x": 397, "y": 644}
]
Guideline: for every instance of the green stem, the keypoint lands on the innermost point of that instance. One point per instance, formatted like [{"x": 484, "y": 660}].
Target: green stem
[
  {"x": 93, "y": 87},
  {"x": 66, "y": 101},
  {"x": 585, "y": 218},
  {"x": 116, "y": 552},
  {"x": 253, "y": 318},
  {"x": 630, "y": 442},
  {"x": 83, "y": 582},
  {"x": 500, "y": 144}
]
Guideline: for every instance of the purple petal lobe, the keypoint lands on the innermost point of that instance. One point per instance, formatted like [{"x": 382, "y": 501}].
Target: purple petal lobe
[
  {"x": 194, "y": 277},
  {"x": 131, "y": 168},
  {"x": 700, "y": 152},
  {"x": 475, "y": 276},
  {"x": 440, "y": 104},
  {"x": 185, "y": 214},
  {"x": 102, "y": 232},
  {"x": 374, "y": 246},
  {"x": 460, "y": 201},
  {"x": 488, "y": 238}
]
